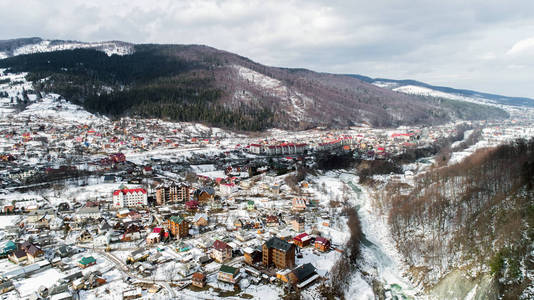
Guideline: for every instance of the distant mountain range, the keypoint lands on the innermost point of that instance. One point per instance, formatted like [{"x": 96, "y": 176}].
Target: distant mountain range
[
  {"x": 203, "y": 84},
  {"x": 420, "y": 88}
]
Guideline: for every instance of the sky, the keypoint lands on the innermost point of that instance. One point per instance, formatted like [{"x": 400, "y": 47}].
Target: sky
[{"x": 481, "y": 45}]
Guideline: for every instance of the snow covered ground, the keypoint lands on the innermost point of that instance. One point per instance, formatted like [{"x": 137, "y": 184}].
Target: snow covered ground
[
  {"x": 109, "y": 48},
  {"x": 422, "y": 91},
  {"x": 52, "y": 107},
  {"x": 379, "y": 256}
]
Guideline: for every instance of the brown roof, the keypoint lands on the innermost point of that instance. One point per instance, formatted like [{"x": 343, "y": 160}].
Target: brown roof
[
  {"x": 19, "y": 253},
  {"x": 198, "y": 276},
  {"x": 33, "y": 251},
  {"x": 220, "y": 245}
]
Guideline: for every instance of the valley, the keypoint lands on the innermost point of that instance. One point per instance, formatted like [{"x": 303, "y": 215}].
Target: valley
[{"x": 259, "y": 183}]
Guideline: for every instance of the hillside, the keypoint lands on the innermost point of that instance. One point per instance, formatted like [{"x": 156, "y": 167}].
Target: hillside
[
  {"x": 203, "y": 84},
  {"x": 414, "y": 87},
  {"x": 476, "y": 216}
]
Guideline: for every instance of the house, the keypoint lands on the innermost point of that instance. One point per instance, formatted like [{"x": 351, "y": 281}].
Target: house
[
  {"x": 18, "y": 256},
  {"x": 200, "y": 219},
  {"x": 250, "y": 205},
  {"x": 228, "y": 274},
  {"x": 147, "y": 170},
  {"x": 178, "y": 227},
  {"x": 153, "y": 238},
  {"x": 278, "y": 252},
  {"x": 86, "y": 262},
  {"x": 172, "y": 193},
  {"x": 85, "y": 236},
  {"x": 204, "y": 260},
  {"x": 34, "y": 252},
  {"x": 298, "y": 224},
  {"x": 302, "y": 240},
  {"x": 221, "y": 252},
  {"x": 252, "y": 256},
  {"x": 303, "y": 275},
  {"x": 8, "y": 247},
  {"x": 322, "y": 244},
  {"x": 204, "y": 194},
  {"x": 123, "y": 213},
  {"x": 88, "y": 213},
  {"x": 271, "y": 221},
  {"x": 65, "y": 251},
  {"x": 255, "y": 148},
  {"x": 8, "y": 208},
  {"x": 138, "y": 255},
  {"x": 125, "y": 197},
  {"x": 283, "y": 275},
  {"x": 299, "y": 204},
  {"x": 198, "y": 279},
  {"x": 6, "y": 287},
  {"x": 191, "y": 205}
]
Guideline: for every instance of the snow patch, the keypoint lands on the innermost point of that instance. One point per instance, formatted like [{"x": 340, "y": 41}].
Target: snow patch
[
  {"x": 422, "y": 91},
  {"x": 109, "y": 48},
  {"x": 52, "y": 107}
]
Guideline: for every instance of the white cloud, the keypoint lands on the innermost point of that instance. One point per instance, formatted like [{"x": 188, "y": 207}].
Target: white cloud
[{"x": 522, "y": 46}]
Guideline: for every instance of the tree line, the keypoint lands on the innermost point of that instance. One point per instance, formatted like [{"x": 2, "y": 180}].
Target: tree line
[{"x": 478, "y": 214}]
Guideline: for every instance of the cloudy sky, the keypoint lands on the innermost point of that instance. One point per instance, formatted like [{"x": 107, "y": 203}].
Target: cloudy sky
[{"x": 483, "y": 45}]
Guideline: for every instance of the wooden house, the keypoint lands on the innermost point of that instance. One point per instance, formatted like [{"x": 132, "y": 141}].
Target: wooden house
[
  {"x": 198, "y": 279},
  {"x": 322, "y": 244},
  {"x": 302, "y": 240},
  {"x": 228, "y": 274},
  {"x": 221, "y": 251}
]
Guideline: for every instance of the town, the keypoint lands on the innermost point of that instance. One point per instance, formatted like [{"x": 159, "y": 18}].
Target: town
[{"x": 133, "y": 208}]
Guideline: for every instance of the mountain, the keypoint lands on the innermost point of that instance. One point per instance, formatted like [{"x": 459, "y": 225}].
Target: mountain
[
  {"x": 204, "y": 84},
  {"x": 420, "y": 88},
  {"x": 22, "y": 46}
]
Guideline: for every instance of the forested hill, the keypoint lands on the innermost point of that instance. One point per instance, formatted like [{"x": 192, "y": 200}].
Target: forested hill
[
  {"x": 203, "y": 84},
  {"x": 477, "y": 216}
]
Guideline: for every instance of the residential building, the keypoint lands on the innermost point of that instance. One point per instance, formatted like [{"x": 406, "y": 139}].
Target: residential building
[
  {"x": 298, "y": 224},
  {"x": 34, "y": 252},
  {"x": 130, "y": 198},
  {"x": 198, "y": 279},
  {"x": 204, "y": 194},
  {"x": 250, "y": 205},
  {"x": 200, "y": 219},
  {"x": 252, "y": 256},
  {"x": 172, "y": 193},
  {"x": 299, "y": 204},
  {"x": 86, "y": 262},
  {"x": 322, "y": 244},
  {"x": 8, "y": 247},
  {"x": 303, "y": 275},
  {"x": 302, "y": 240},
  {"x": 88, "y": 213},
  {"x": 6, "y": 286},
  {"x": 228, "y": 274},
  {"x": 153, "y": 238},
  {"x": 278, "y": 252},
  {"x": 18, "y": 256},
  {"x": 221, "y": 252},
  {"x": 178, "y": 227}
]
